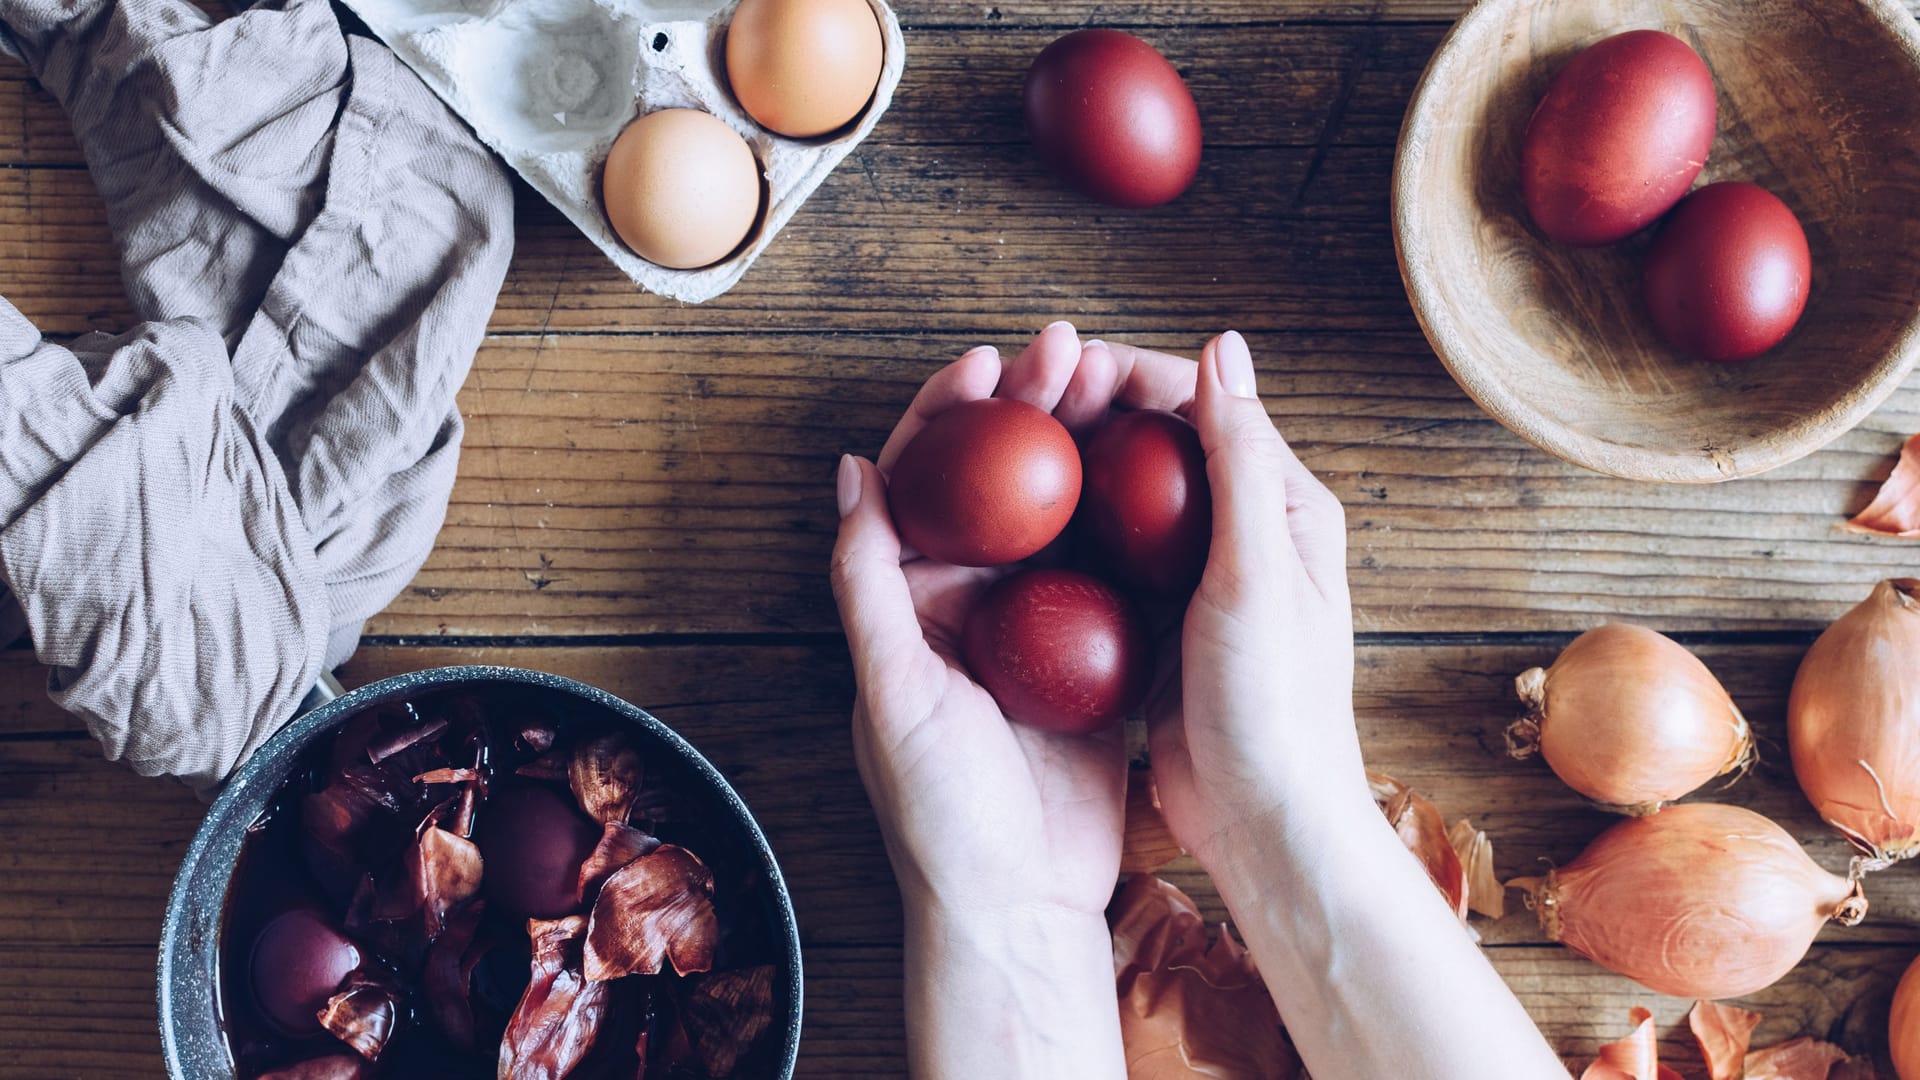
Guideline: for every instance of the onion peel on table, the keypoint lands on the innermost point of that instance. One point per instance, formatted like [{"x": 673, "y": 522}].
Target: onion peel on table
[
  {"x": 1722, "y": 1033},
  {"x": 1188, "y": 1009},
  {"x": 1895, "y": 510},
  {"x": 654, "y": 911},
  {"x": 1799, "y": 1059},
  {"x": 1424, "y": 832},
  {"x": 1636, "y": 1056},
  {"x": 1485, "y": 894}
]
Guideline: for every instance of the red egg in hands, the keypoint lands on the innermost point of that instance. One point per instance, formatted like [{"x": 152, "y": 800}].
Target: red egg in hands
[
  {"x": 298, "y": 961},
  {"x": 986, "y": 482},
  {"x": 532, "y": 841},
  {"x": 1059, "y": 650},
  {"x": 1617, "y": 139},
  {"x": 1109, "y": 116},
  {"x": 1145, "y": 506},
  {"x": 1728, "y": 274}
]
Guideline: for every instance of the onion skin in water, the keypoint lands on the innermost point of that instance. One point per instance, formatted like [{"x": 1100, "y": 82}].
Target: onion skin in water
[
  {"x": 1853, "y": 723},
  {"x": 1903, "y": 1026},
  {"x": 1630, "y": 719},
  {"x": 1699, "y": 900}
]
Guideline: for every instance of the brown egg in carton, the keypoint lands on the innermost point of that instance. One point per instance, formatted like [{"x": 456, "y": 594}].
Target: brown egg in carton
[{"x": 549, "y": 85}]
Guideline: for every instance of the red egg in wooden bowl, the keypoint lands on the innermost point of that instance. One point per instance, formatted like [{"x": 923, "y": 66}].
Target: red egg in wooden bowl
[{"x": 1816, "y": 103}]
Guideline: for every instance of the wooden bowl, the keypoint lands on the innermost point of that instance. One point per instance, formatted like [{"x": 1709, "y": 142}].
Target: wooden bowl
[{"x": 1819, "y": 102}]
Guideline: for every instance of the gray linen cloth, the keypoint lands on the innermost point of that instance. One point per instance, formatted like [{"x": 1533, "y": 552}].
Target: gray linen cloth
[{"x": 198, "y": 516}]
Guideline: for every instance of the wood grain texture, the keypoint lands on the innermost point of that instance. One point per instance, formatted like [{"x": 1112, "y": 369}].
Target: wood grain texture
[
  {"x": 682, "y": 484},
  {"x": 1815, "y": 104},
  {"x": 76, "y": 958}
]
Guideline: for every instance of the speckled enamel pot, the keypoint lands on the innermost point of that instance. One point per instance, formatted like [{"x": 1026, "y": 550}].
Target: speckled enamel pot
[{"x": 189, "y": 975}]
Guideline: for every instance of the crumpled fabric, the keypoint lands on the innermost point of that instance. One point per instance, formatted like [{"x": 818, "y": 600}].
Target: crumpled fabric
[{"x": 198, "y": 516}]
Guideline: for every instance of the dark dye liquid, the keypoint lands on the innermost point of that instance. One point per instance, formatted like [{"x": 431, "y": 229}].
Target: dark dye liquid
[{"x": 276, "y": 872}]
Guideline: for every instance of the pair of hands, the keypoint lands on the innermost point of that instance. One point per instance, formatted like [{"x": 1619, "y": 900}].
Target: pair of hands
[{"x": 1251, "y": 732}]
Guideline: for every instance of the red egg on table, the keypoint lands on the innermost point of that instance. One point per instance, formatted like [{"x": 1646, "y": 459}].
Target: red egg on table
[
  {"x": 532, "y": 841},
  {"x": 1618, "y": 138},
  {"x": 1059, "y": 650},
  {"x": 1109, "y": 116},
  {"x": 1145, "y": 506},
  {"x": 986, "y": 482},
  {"x": 1728, "y": 274},
  {"x": 299, "y": 960}
]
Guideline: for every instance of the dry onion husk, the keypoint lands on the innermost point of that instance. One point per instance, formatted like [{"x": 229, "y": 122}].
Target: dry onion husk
[
  {"x": 1903, "y": 1025},
  {"x": 1629, "y": 718},
  {"x": 1853, "y": 723},
  {"x": 1634, "y": 1056},
  {"x": 1700, "y": 900},
  {"x": 1895, "y": 510},
  {"x": 1723, "y": 1033}
]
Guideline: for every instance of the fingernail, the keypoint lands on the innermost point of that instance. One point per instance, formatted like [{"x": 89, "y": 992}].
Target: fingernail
[
  {"x": 1092, "y": 343},
  {"x": 1235, "y": 365},
  {"x": 1058, "y": 322},
  {"x": 848, "y": 484}
]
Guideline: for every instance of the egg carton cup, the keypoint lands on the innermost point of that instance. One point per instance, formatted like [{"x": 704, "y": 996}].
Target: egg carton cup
[{"x": 549, "y": 85}]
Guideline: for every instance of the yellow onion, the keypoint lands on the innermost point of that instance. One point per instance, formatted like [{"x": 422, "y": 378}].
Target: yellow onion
[
  {"x": 1853, "y": 722},
  {"x": 1630, "y": 719},
  {"x": 1699, "y": 900},
  {"x": 1903, "y": 1026}
]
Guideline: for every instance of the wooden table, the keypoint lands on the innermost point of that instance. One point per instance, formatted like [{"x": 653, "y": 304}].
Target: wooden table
[{"x": 645, "y": 503}]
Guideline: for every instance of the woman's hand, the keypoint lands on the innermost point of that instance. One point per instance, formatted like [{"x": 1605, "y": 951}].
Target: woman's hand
[
  {"x": 1005, "y": 838},
  {"x": 1254, "y": 729}
]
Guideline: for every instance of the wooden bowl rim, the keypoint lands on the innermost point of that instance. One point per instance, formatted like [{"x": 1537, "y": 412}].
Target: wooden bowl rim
[{"x": 1704, "y": 466}]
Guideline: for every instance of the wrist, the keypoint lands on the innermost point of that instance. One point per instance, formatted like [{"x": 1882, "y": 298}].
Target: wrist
[{"x": 1015, "y": 991}]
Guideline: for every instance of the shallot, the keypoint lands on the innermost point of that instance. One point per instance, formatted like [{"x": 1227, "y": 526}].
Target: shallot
[
  {"x": 1630, "y": 719},
  {"x": 1853, "y": 723},
  {"x": 1903, "y": 1025},
  {"x": 1699, "y": 900}
]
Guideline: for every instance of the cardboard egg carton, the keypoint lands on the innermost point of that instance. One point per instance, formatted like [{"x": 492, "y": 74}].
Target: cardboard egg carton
[{"x": 549, "y": 84}]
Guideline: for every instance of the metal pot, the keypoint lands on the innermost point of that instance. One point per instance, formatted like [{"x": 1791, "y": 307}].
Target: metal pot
[{"x": 191, "y": 1034}]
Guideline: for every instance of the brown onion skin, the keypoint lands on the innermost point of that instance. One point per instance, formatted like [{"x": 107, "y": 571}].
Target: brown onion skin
[
  {"x": 1629, "y": 718},
  {"x": 1855, "y": 707},
  {"x": 1700, "y": 900},
  {"x": 986, "y": 482},
  {"x": 1903, "y": 1025}
]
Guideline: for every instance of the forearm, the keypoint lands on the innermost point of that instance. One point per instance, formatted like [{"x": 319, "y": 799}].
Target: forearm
[
  {"x": 1015, "y": 995},
  {"x": 1373, "y": 975}
]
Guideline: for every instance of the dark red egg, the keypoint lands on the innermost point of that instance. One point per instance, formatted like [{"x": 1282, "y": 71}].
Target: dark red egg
[
  {"x": 1113, "y": 119},
  {"x": 298, "y": 961},
  {"x": 532, "y": 841},
  {"x": 1059, "y": 650},
  {"x": 1727, "y": 276},
  {"x": 1145, "y": 506},
  {"x": 1618, "y": 138},
  {"x": 984, "y": 483}
]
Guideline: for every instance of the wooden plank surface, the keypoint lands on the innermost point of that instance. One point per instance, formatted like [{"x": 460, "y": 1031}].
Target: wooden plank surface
[
  {"x": 774, "y": 718},
  {"x": 660, "y": 473}
]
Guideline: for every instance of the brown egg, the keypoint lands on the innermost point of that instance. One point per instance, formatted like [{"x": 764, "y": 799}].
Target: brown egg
[
  {"x": 681, "y": 188},
  {"x": 803, "y": 67},
  {"x": 985, "y": 482}
]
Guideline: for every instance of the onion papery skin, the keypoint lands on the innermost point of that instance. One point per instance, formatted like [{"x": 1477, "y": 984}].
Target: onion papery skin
[
  {"x": 1629, "y": 718},
  {"x": 1853, "y": 723},
  {"x": 1903, "y": 1025},
  {"x": 1699, "y": 900}
]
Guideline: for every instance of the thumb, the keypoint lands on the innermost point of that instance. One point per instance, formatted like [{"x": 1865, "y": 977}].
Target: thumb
[
  {"x": 876, "y": 606},
  {"x": 1244, "y": 457}
]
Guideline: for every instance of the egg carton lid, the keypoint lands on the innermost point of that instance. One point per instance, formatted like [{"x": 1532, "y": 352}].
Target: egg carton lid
[{"x": 549, "y": 85}]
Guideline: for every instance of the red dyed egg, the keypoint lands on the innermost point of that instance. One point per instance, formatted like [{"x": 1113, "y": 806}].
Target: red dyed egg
[
  {"x": 298, "y": 961},
  {"x": 1618, "y": 138},
  {"x": 1145, "y": 506},
  {"x": 1059, "y": 650},
  {"x": 1113, "y": 119},
  {"x": 986, "y": 482},
  {"x": 1727, "y": 277},
  {"x": 532, "y": 841}
]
